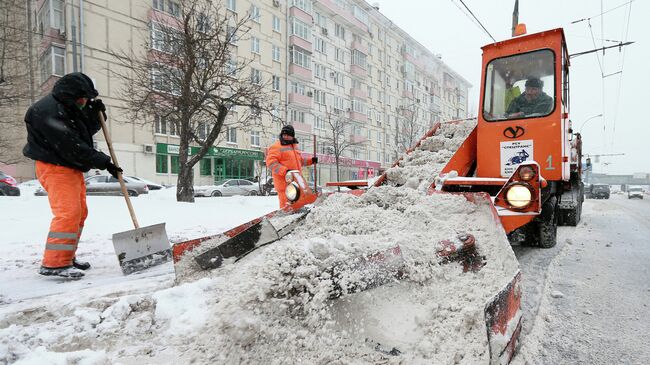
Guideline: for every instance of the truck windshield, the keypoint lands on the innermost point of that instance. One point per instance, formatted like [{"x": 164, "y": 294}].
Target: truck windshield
[{"x": 520, "y": 86}]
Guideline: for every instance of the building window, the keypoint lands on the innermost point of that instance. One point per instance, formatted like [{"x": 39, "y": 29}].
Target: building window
[
  {"x": 256, "y": 76},
  {"x": 300, "y": 57},
  {"x": 297, "y": 116},
  {"x": 319, "y": 97},
  {"x": 160, "y": 125},
  {"x": 339, "y": 54},
  {"x": 338, "y": 78},
  {"x": 231, "y": 135},
  {"x": 300, "y": 29},
  {"x": 165, "y": 80},
  {"x": 321, "y": 45},
  {"x": 320, "y": 123},
  {"x": 320, "y": 71},
  {"x": 358, "y": 105},
  {"x": 275, "y": 53},
  {"x": 255, "y": 139},
  {"x": 321, "y": 20},
  {"x": 304, "y": 5},
  {"x": 206, "y": 166},
  {"x": 276, "y": 24},
  {"x": 52, "y": 63},
  {"x": 276, "y": 83},
  {"x": 297, "y": 88},
  {"x": 255, "y": 45},
  {"x": 231, "y": 33},
  {"x": 256, "y": 16},
  {"x": 359, "y": 58},
  {"x": 231, "y": 67},
  {"x": 159, "y": 5},
  {"x": 339, "y": 31},
  {"x": 173, "y": 8},
  {"x": 162, "y": 166},
  {"x": 339, "y": 103},
  {"x": 231, "y": 5}
]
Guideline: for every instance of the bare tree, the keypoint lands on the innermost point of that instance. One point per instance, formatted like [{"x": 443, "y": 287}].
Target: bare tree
[
  {"x": 14, "y": 78},
  {"x": 409, "y": 127},
  {"x": 339, "y": 137},
  {"x": 189, "y": 75}
]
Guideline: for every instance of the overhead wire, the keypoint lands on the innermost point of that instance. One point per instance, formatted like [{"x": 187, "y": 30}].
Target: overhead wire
[
  {"x": 475, "y": 18},
  {"x": 620, "y": 79}
]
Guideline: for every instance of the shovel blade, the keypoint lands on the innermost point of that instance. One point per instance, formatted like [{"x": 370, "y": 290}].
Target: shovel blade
[
  {"x": 141, "y": 248},
  {"x": 503, "y": 321}
]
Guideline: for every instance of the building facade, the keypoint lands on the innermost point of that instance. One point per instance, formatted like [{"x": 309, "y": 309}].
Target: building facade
[{"x": 324, "y": 59}]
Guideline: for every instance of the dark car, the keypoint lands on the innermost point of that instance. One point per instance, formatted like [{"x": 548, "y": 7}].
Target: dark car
[
  {"x": 600, "y": 191},
  {"x": 108, "y": 185},
  {"x": 8, "y": 185}
]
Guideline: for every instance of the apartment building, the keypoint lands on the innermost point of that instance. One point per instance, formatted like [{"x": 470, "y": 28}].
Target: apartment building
[{"x": 325, "y": 59}]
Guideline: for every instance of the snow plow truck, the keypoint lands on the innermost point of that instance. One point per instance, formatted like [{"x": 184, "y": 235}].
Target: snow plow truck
[{"x": 452, "y": 205}]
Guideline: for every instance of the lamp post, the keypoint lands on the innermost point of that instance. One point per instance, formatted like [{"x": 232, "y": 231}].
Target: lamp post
[{"x": 585, "y": 122}]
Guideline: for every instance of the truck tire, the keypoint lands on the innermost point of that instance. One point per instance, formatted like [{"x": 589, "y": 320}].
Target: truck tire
[{"x": 547, "y": 224}]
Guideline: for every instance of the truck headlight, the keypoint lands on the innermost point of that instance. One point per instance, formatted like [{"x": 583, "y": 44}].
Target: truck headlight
[
  {"x": 292, "y": 192},
  {"x": 519, "y": 196}
]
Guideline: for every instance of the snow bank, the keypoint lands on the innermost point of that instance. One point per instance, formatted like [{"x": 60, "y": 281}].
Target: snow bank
[{"x": 275, "y": 307}]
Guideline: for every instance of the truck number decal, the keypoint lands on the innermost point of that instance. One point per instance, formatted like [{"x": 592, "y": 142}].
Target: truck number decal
[{"x": 550, "y": 163}]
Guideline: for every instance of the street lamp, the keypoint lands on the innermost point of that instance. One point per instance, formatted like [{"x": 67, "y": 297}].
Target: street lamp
[{"x": 585, "y": 122}]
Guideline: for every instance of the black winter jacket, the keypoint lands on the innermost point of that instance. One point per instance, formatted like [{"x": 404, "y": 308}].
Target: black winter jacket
[{"x": 58, "y": 132}]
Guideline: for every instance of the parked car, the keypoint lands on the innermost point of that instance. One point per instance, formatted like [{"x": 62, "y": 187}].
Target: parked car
[
  {"x": 150, "y": 184},
  {"x": 228, "y": 187},
  {"x": 8, "y": 185},
  {"x": 108, "y": 185},
  {"x": 635, "y": 192},
  {"x": 600, "y": 191}
]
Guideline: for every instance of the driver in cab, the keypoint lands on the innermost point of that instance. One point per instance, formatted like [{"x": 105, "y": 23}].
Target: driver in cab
[{"x": 532, "y": 102}]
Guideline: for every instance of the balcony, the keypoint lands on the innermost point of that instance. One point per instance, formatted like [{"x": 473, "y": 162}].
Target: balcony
[
  {"x": 343, "y": 13},
  {"x": 407, "y": 94},
  {"x": 294, "y": 40},
  {"x": 359, "y": 46},
  {"x": 299, "y": 71},
  {"x": 359, "y": 93},
  {"x": 355, "y": 138},
  {"x": 358, "y": 71},
  {"x": 300, "y": 14},
  {"x": 302, "y": 127},
  {"x": 299, "y": 99},
  {"x": 358, "y": 117}
]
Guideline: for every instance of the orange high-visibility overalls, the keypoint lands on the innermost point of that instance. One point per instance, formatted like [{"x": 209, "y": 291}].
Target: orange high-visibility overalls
[
  {"x": 280, "y": 159},
  {"x": 66, "y": 191}
]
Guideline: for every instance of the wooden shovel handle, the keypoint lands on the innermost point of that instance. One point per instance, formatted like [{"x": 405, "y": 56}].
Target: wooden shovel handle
[{"x": 119, "y": 174}]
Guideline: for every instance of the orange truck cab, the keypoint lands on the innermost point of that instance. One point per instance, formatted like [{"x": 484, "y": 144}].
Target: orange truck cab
[{"x": 523, "y": 124}]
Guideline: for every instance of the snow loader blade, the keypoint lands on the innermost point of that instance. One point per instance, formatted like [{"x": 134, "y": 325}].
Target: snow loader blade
[
  {"x": 141, "y": 248},
  {"x": 503, "y": 322},
  {"x": 206, "y": 253}
]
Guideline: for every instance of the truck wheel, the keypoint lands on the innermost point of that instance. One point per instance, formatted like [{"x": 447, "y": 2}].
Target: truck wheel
[{"x": 547, "y": 224}]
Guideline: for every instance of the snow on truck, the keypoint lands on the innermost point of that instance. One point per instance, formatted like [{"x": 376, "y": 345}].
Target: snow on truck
[{"x": 418, "y": 268}]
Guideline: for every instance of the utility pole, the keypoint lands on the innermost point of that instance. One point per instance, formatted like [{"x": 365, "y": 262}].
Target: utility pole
[{"x": 515, "y": 17}]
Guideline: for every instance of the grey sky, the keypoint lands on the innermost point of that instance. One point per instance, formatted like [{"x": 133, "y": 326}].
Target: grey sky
[{"x": 624, "y": 128}]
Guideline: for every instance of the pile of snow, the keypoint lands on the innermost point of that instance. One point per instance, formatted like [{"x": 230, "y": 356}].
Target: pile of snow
[
  {"x": 275, "y": 306},
  {"x": 419, "y": 168}
]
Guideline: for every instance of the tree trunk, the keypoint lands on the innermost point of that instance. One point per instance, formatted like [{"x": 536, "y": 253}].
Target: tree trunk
[{"x": 185, "y": 187}]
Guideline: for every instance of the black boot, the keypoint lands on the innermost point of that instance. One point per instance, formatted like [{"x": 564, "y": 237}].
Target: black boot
[
  {"x": 64, "y": 272},
  {"x": 81, "y": 265}
]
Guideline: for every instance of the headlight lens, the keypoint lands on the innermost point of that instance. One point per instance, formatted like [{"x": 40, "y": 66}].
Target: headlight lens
[
  {"x": 526, "y": 173},
  {"x": 518, "y": 196},
  {"x": 292, "y": 192}
]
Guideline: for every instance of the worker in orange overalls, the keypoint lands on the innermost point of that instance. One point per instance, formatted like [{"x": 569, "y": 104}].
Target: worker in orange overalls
[
  {"x": 283, "y": 156},
  {"x": 60, "y": 127}
]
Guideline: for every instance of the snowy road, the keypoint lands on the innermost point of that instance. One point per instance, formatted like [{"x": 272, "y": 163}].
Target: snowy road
[{"x": 592, "y": 304}]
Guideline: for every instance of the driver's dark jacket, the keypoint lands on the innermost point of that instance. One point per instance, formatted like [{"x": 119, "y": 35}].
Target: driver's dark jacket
[
  {"x": 542, "y": 105},
  {"x": 59, "y": 133}
]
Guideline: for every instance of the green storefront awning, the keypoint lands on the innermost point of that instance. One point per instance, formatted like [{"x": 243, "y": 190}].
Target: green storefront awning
[{"x": 214, "y": 151}]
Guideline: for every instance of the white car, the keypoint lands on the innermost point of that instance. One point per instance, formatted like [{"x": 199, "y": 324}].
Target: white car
[
  {"x": 228, "y": 187},
  {"x": 635, "y": 193}
]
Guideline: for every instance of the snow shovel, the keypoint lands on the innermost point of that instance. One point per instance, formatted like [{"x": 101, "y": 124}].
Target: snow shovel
[{"x": 141, "y": 247}]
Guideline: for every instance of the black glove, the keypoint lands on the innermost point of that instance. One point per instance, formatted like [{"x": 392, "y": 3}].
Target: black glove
[
  {"x": 97, "y": 105},
  {"x": 314, "y": 159},
  {"x": 113, "y": 170}
]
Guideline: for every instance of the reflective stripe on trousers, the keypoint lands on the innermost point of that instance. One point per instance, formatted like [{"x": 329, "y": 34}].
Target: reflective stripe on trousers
[{"x": 66, "y": 192}]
